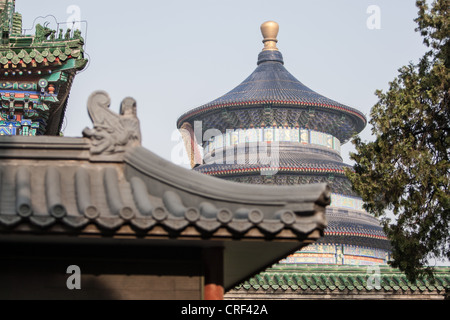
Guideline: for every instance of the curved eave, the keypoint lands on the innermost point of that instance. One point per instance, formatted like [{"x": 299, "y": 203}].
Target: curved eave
[
  {"x": 279, "y": 170},
  {"x": 285, "y": 166},
  {"x": 356, "y": 234},
  {"x": 46, "y": 54},
  {"x": 190, "y": 116},
  {"x": 152, "y": 165},
  {"x": 70, "y": 63}
]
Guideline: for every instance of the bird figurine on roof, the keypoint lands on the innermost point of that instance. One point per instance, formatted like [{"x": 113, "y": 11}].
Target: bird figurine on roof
[{"x": 112, "y": 133}]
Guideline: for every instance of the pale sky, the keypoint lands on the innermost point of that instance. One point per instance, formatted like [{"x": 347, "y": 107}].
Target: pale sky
[{"x": 175, "y": 55}]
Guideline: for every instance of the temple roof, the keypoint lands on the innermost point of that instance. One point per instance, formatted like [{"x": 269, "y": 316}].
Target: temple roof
[
  {"x": 48, "y": 55},
  {"x": 291, "y": 159},
  {"x": 306, "y": 281},
  {"x": 345, "y": 229},
  {"x": 286, "y": 164},
  {"x": 39, "y": 68},
  {"x": 272, "y": 86}
]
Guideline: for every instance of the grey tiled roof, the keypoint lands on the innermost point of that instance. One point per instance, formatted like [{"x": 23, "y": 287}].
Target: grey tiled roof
[{"x": 45, "y": 189}]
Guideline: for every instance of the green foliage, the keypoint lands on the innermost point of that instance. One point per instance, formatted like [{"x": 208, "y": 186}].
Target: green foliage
[{"x": 406, "y": 170}]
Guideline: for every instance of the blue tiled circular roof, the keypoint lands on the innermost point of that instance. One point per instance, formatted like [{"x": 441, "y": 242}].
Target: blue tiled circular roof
[{"x": 271, "y": 84}]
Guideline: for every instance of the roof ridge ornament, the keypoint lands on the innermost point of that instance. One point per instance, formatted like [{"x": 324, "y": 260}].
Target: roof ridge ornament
[
  {"x": 112, "y": 133},
  {"x": 269, "y": 30}
]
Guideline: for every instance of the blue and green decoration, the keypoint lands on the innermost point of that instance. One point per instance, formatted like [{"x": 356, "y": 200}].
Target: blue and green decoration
[{"x": 36, "y": 75}]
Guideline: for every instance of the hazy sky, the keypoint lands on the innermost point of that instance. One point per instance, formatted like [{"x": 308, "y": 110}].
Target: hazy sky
[{"x": 173, "y": 56}]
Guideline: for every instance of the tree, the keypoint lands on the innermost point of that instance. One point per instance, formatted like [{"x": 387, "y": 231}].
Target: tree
[{"x": 406, "y": 168}]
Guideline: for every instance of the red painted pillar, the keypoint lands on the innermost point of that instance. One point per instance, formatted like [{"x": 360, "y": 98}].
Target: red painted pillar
[{"x": 213, "y": 272}]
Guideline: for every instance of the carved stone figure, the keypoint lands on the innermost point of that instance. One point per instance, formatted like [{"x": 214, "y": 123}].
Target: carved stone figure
[
  {"x": 77, "y": 35},
  {"x": 112, "y": 133},
  {"x": 42, "y": 32},
  {"x": 67, "y": 35}
]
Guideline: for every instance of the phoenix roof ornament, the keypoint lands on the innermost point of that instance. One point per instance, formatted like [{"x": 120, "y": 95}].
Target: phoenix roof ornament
[{"x": 112, "y": 132}]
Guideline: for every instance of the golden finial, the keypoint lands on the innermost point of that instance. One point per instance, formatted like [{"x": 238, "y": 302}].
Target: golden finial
[{"x": 269, "y": 31}]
